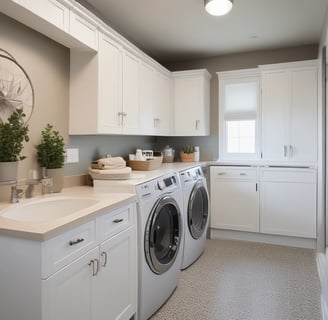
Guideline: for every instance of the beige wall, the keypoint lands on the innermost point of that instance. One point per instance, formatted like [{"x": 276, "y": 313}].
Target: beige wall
[{"x": 47, "y": 64}]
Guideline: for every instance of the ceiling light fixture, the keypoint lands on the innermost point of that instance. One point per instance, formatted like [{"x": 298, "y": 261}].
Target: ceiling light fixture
[{"x": 218, "y": 7}]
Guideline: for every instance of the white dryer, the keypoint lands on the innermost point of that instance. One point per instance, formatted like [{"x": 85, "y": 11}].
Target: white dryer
[
  {"x": 195, "y": 214},
  {"x": 160, "y": 240}
]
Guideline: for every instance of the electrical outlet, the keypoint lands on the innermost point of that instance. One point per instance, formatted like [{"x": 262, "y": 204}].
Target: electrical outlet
[{"x": 72, "y": 155}]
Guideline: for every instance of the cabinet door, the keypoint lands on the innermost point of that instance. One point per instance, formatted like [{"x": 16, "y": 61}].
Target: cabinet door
[
  {"x": 50, "y": 10},
  {"x": 275, "y": 115},
  {"x": 67, "y": 295},
  {"x": 110, "y": 86},
  {"x": 234, "y": 201},
  {"x": 130, "y": 111},
  {"x": 82, "y": 29},
  {"x": 116, "y": 282},
  {"x": 162, "y": 103},
  {"x": 303, "y": 136},
  {"x": 147, "y": 121},
  {"x": 288, "y": 202},
  {"x": 188, "y": 106}
]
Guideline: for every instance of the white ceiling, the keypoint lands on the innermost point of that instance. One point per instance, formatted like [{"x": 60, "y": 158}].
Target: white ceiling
[{"x": 173, "y": 30}]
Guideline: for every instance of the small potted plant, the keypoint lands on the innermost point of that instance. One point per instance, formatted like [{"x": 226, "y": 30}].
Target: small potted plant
[
  {"x": 187, "y": 154},
  {"x": 51, "y": 156},
  {"x": 13, "y": 133}
]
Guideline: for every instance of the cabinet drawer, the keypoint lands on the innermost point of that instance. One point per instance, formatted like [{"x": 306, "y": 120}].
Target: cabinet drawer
[
  {"x": 83, "y": 30},
  {"x": 288, "y": 175},
  {"x": 63, "y": 249},
  {"x": 114, "y": 222},
  {"x": 233, "y": 173}
]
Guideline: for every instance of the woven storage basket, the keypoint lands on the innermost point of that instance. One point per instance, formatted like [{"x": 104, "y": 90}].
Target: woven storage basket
[{"x": 147, "y": 165}]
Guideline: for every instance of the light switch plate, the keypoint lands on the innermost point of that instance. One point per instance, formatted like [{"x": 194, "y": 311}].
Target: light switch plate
[{"x": 72, "y": 155}]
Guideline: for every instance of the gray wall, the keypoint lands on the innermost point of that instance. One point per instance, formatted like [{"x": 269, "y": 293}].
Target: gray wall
[{"x": 209, "y": 145}]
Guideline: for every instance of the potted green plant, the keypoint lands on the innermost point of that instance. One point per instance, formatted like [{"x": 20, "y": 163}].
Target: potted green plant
[
  {"x": 187, "y": 154},
  {"x": 13, "y": 133},
  {"x": 51, "y": 156}
]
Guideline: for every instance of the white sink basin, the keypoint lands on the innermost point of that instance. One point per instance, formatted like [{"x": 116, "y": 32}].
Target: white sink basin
[{"x": 47, "y": 209}]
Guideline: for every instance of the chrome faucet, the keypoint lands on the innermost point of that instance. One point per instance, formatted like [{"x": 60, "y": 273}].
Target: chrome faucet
[{"x": 15, "y": 193}]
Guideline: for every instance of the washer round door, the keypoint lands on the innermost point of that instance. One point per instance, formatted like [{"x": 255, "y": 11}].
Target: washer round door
[
  {"x": 198, "y": 210},
  {"x": 163, "y": 235}
]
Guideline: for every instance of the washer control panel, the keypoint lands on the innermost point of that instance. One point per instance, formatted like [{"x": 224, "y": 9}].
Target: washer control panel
[{"x": 162, "y": 184}]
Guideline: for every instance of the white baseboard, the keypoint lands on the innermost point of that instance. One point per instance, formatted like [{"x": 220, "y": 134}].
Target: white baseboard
[
  {"x": 264, "y": 238},
  {"x": 322, "y": 265}
]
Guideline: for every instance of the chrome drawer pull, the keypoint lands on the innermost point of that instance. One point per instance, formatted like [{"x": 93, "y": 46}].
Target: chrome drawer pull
[
  {"x": 243, "y": 174},
  {"x": 73, "y": 242},
  {"x": 117, "y": 220},
  {"x": 221, "y": 173},
  {"x": 104, "y": 254}
]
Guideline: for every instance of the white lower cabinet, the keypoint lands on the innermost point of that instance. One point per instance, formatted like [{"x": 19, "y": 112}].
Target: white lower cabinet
[
  {"x": 234, "y": 198},
  {"x": 87, "y": 273},
  {"x": 288, "y": 201},
  {"x": 276, "y": 201}
]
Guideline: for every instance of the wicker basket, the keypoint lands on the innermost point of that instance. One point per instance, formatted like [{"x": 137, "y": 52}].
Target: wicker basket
[{"x": 147, "y": 165}]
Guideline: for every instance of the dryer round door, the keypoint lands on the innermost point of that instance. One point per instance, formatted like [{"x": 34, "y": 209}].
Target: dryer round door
[
  {"x": 163, "y": 234},
  {"x": 198, "y": 210}
]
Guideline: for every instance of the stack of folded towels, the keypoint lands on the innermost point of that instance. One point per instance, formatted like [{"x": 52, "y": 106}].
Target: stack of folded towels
[{"x": 110, "y": 168}]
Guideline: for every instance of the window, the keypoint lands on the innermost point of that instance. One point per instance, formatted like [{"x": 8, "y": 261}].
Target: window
[{"x": 238, "y": 116}]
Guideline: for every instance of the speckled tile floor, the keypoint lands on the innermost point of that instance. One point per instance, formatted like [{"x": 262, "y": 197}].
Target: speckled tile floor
[{"x": 236, "y": 280}]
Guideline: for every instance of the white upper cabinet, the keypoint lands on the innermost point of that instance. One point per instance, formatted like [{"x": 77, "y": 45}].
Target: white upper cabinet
[
  {"x": 104, "y": 92},
  {"x": 64, "y": 21},
  {"x": 289, "y": 112},
  {"x": 50, "y": 10},
  {"x": 162, "y": 104},
  {"x": 83, "y": 28},
  {"x": 191, "y": 102},
  {"x": 155, "y": 101}
]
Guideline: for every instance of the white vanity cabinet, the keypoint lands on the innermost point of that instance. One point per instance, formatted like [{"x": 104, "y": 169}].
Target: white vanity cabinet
[
  {"x": 289, "y": 112},
  {"x": 234, "y": 198},
  {"x": 87, "y": 273},
  {"x": 191, "y": 100},
  {"x": 288, "y": 201}
]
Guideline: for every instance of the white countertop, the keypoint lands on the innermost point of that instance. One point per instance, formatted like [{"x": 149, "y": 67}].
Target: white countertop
[
  {"x": 261, "y": 163},
  {"x": 139, "y": 177},
  {"x": 41, "y": 231}
]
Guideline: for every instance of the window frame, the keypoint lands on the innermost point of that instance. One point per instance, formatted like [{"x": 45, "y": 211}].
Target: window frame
[{"x": 235, "y": 77}]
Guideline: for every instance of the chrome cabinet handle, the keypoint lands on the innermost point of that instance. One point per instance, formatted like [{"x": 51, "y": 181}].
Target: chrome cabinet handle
[
  {"x": 243, "y": 174},
  {"x": 93, "y": 263},
  {"x": 73, "y": 242},
  {"x": 285, "y": 150},
  {"x": 118, "y": 220},
  {"x": 197, "y": 124},
  {"x": 104, "y": 254},
  {"x": 221, "y": 173},
  {"x": 290, "y": 150}
]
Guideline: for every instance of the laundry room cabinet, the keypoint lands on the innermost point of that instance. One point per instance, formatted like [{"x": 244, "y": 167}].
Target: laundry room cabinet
[
  {"x": 104, "y": 90},
  {"x": 155, "y": 101},
  {"x": 234, "y": 198},
  {"x": 289, "y": 112},
  {"x": 191, "y": 100},
  {"x": 288, "y": 201},
  {"x": 86, "y": 273}
]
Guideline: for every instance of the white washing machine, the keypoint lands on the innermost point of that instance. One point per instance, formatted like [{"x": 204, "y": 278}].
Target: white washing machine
[
  {"x": 160, "y": 240},
  {"x": 195, "y": 214}
]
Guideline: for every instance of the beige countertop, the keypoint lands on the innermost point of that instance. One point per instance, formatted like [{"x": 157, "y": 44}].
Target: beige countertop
[{"x": 41, "y": 231}]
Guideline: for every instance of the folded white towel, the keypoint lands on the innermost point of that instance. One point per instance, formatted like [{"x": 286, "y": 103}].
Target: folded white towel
[{"x": 112, "y": 163}]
